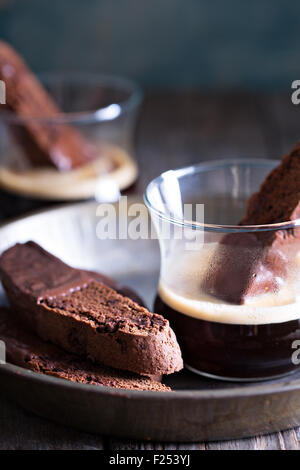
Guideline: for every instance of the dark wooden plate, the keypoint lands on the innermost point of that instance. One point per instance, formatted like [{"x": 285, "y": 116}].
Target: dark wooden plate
[{"x": 198, "y": 409}]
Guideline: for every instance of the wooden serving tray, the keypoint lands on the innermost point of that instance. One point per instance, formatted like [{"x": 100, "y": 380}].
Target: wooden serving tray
[{"x": 199, "y": 409}]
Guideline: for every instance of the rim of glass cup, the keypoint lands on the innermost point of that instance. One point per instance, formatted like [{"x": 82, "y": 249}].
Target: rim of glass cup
[
  {"x": 106, "y": 113},
  {"x": 194, "y": 225}
]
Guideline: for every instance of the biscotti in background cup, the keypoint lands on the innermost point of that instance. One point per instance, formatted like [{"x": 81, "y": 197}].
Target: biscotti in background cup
[{"x": 61, "y": 133}]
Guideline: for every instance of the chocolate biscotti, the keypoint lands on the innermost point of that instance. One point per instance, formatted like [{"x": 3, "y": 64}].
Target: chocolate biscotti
[
  {"x": 44, "y": 142},
  {"x": 253, "y": 263},
  {"x": 26, "y": 350},
  {"x": 69, "y": 308},
  {"x": 278, "y": 199},
  {"x": 120, "y": 288}
]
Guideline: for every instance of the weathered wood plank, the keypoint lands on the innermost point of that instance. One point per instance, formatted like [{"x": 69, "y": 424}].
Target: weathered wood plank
[
  {"x": 183, "y": 129},
  {"x": 286, "y": 440},
  {"x": 20, "y": 429},
  {"x": 281, "y": 123}
]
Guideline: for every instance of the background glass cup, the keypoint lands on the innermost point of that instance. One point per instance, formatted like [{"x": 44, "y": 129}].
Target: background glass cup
[
  {"x": 219, "y": 338},
  {"x": 103, "y": 109}
]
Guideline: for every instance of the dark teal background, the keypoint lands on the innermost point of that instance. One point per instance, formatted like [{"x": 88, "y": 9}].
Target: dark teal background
[{"x": 162, "y": 43}]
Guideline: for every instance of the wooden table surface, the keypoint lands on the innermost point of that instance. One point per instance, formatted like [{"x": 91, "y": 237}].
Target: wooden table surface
[{"x": 174, "y": 130}]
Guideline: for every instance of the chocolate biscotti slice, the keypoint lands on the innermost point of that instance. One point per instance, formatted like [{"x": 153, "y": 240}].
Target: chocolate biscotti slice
[
  {"x": 45, "y": 143},
  {"x": 278, "y": 199},
  {"x": 50, "y": 272},
  {"x": 27, "y": 350},
  {"x": 69, "y": 308},
  {"x": 253, "y": 263},
  {"x": 120, "y": 288}
]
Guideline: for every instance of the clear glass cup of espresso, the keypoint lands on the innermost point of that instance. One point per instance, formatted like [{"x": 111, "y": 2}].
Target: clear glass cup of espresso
[{"x": 206, "y": 257}]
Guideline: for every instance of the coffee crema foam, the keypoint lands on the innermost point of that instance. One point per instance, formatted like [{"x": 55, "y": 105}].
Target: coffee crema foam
[
  {"x": 180, "y": 290},
  {"x": 79, "y": 183}
]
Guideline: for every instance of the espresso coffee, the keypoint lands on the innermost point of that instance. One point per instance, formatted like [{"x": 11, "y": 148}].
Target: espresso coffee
[
  {"x": 240, "y": 342},
  {"x": 231, "y": 350}
]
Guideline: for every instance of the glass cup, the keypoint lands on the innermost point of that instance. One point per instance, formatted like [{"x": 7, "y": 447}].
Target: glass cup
[
  {"x": 230, "y": 292},
  {"x": 103, "y": 110}
]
